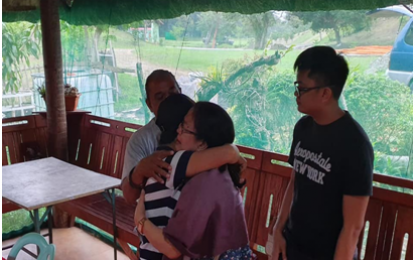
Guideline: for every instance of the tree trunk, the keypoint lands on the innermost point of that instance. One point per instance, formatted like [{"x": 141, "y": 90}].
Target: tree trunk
[
  {"x": 52, "y": 58},
  {"x": 207, "y": 38},
  {"x": 145, "y": 31},
  {"x": 91, "y": 47},
  {"x": 264, "y": 35},
  {"x": 263, "y": 39},
  {"x": 209, "y": 91},
  {"x": 260, "y": 26},
  {"x": 57, "y": 130},
  {"x": 338, "y": 37},
  {"x": 215, "y": 34},
  {"x": 97, "y": 37},
  {"x": 258, "y": 37}
]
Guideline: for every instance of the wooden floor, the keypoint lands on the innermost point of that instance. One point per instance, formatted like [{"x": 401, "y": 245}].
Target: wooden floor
[{"x": 72, "y": 243}]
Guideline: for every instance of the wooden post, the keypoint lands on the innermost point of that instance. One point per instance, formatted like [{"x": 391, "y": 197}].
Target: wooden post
[
  {"x": 57, "y": 130},
  {"x": 55, "y": 100}
]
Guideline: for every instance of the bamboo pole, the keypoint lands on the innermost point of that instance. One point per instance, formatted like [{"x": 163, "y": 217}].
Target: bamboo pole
[{"x": 55, "y": 100}]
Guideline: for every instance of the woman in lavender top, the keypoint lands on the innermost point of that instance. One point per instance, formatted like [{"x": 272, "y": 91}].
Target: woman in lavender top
[{"x": 208, "y": 221}]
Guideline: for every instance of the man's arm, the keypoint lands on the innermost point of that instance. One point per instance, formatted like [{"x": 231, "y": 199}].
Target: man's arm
[
  {"x": 286, "y": 205},
  {"x": 130, "y": 194},
  {"x": 354, "y": 210},
  {"x": 150, "y": 167},
  {"x": 138, "y": 148},
  {"x": 133, "y": 154},
  {"x": 357, "y": 182},
  {"x": 277, "y": 241}
]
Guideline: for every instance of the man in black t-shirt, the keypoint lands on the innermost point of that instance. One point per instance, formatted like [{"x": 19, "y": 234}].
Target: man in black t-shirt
[{"x": 324, "y": 206}]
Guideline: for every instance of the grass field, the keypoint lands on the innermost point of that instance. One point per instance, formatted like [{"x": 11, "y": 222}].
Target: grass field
[
  {"x": 130, "y": 94},
  {"x": 200, "y": 59},
  {"x": 195, "y": 60},
  {"x": 192, "y": 59},
  {"x": 15, "y": 220}
]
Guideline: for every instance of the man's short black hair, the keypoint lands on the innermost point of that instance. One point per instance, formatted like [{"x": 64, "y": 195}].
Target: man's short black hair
[
  {"x": 160, "y": 75},
  {"x": 326, "y": 66}
]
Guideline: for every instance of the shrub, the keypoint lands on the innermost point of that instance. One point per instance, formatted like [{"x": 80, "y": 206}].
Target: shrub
[
  {"x": 264, "y": 112},
  {"x": 384, "y": 108}
]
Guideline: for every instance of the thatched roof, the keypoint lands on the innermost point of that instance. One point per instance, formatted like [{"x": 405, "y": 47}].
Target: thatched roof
[{"x": 114, "y": 12}]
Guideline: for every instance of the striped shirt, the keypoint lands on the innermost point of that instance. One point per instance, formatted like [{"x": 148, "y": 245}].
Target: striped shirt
[{"x": 161, "y": 199}]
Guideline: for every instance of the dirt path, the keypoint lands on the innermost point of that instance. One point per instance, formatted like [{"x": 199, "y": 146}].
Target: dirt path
[{"x": 367, "y": 50}]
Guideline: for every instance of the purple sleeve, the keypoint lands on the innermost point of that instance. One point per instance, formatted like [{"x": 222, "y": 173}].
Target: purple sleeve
[
  {"x": 188, "y": 225},
  {"x": 209, "y": 217}
]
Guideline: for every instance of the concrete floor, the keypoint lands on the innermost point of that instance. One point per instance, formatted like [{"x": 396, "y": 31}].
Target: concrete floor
[{"x": 72, "y": 243}]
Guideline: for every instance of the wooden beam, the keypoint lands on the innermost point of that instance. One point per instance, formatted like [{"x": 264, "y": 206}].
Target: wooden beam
[
  {"x": 19, "y": 6},
  {"x": 55, "y": 100}
]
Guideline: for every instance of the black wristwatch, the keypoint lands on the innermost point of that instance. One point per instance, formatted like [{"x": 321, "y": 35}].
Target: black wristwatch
[{"x": 132, "y": 184}]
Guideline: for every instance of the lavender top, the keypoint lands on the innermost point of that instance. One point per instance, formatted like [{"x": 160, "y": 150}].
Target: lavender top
[{"x": 209, "y": 217}]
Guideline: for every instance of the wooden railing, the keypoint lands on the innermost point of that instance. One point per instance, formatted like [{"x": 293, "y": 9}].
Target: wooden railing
[{"x": 98, "y": 144}]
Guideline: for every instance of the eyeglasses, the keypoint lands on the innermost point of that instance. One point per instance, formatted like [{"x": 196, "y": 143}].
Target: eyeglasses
[
  {"x": 185, "y": 131},
  {"x": 299, "y": 91}
]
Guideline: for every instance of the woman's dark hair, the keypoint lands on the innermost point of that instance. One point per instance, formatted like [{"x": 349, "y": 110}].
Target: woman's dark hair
[
  {"x": 214, "y": 126},
  {"x": 171, "y": 113}
]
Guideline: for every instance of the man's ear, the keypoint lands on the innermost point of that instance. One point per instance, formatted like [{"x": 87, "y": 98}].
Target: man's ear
[
  {"x": 327, "y": 94},
  {"x": 149, "y": 105}
]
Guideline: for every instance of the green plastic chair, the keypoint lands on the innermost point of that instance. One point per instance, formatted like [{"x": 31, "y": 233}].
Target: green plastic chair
[{"x": 45, "y": 250}]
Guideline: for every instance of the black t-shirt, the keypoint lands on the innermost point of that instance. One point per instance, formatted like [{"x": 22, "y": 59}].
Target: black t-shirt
[{"x": 329, "y": 161}]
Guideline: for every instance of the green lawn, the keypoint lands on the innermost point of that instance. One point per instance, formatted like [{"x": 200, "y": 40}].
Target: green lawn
[
  {"x": 130, "y": 94},
  {"x": 187, "y": 43},
  {"x": 200, "y": 60},
  {"x": 168, "y": 55},
  {"x": 16, "y": 220},
  {"x": 288, "y": 60},
  {"x": 194, "y": 60},
  {"x": 191, "y": 60}
]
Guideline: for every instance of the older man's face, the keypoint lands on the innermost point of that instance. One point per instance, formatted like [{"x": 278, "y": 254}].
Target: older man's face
[{"x": 158, "y": 91}]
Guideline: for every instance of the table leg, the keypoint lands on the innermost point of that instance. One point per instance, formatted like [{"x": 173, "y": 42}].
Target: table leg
[
  {"x": 50, "y": 224},
  {"x": 36, "y": 220},
  {"x": 37, "y": 226},
  {"x": 114, "y": 225}
]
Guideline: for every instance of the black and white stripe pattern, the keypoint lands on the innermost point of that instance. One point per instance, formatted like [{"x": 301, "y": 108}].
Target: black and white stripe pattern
[{"x": 161, "y": 199}]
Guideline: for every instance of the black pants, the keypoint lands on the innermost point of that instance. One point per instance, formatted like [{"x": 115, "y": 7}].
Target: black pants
[{"x": 295, "y": 255}]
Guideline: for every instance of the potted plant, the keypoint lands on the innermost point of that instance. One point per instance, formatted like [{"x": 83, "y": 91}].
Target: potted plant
[
  {"x": 42, "y": 91},
  {"x": 71, "y": 97}
]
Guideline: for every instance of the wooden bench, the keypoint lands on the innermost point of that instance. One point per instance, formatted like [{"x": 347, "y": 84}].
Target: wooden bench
[
  {"x": 98, "y": 144},
  {"x": 97, "y": 211},
  {"x": 8, "y": 206},
  {"x": 16, "y": 133}
]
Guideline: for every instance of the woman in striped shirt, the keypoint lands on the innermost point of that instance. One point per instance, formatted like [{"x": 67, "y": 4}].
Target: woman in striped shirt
[{"x": 209, "y": 220}]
